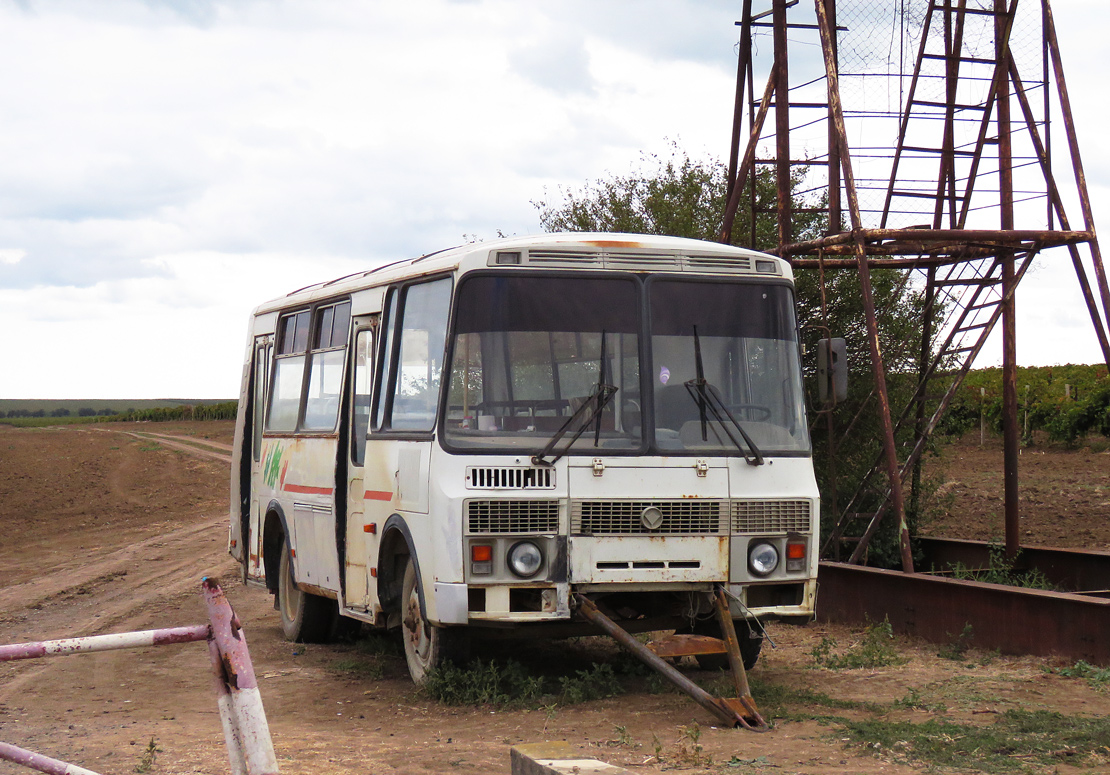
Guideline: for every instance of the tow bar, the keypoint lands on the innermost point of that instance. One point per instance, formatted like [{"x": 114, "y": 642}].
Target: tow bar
[{"x": 734, "y": 711}]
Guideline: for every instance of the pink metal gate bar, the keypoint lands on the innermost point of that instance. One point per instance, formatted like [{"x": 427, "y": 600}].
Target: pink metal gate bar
[{"x": 249, "y": 748}]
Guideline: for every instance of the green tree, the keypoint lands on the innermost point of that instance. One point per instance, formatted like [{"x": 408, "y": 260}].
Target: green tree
[
  {"x": 680, "y": 196},
  {"x": 676, "y": 196}
]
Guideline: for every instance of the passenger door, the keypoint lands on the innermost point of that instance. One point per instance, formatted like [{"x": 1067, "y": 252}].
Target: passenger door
[
  {"x": 263, "y": 357},
  {"x": 364, "y": 477}
]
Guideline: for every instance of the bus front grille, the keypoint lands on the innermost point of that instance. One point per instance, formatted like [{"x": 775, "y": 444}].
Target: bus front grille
[
  {"x": 645, "y": 260},
  {"x": 719, "y": 263},
  {"x": 683, "y": 517},
  {"x": 770, "y": 516},
  {"x": 510, "y": 478},
  {"x": 506, "y": 516}
]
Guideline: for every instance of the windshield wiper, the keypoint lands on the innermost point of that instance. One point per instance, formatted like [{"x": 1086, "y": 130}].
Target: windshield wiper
[
  {"x": 595, "y": 403},
  {"x": 709, "y": 402}
]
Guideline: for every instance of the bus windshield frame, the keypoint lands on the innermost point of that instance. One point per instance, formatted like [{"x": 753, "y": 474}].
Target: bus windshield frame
[{"x": 525, "y": 365}]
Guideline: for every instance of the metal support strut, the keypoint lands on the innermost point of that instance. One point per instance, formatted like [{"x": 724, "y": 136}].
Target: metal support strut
[{"x": 738, "y": 711}]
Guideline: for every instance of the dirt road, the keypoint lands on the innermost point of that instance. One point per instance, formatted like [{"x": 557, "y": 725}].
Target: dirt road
[{"x": 105, "y": 531}]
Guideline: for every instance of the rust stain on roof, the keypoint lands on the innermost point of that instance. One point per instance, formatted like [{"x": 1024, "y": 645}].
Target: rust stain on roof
[{"x": 614, "y": 243}]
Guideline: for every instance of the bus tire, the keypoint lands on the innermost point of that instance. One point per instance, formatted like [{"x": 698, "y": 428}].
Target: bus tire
[
  {"x": 427, "y": 646},
  {"x": 749, "y": 646},
  {"x": 305, "y": 618}
]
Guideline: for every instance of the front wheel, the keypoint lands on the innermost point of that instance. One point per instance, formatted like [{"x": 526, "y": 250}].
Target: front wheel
[
  {"x": 427, "y": 646},
  {"x": 305, "y": 618}
]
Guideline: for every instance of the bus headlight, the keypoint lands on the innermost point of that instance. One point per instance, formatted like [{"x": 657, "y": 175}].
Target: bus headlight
[
  {"x": 525, "y": 559},
  {"x": 763, "y": 558}
]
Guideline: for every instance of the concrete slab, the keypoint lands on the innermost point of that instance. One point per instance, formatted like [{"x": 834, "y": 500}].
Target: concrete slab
[{"x": 557, "y": 758}]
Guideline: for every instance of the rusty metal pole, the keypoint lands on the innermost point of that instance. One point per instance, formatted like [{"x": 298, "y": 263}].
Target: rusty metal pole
[
  {"x": 242, "y": 705},
  {"x": 782, "y": 125},
  {"x": 1057, "y": 205},
  {"x": 714, "y": 705},
  {"x": 111, "y": 642},
  {"x": 1011, "y": 434},
  {"x": 748, "y": 162},
  {"x": 924, "y": 356},
  {"x": 830, "y": 421},
  {"x": 1077, "y": 161},
  {"x": 836, "y": 216},
  {"x": 743, "y": 64},
  {"x": 39, "y": 762},
  {"x": 890, "y": 454}
]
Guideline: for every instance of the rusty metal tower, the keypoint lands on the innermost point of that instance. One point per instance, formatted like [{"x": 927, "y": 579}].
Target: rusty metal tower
[{"x": 925, "y": 128}]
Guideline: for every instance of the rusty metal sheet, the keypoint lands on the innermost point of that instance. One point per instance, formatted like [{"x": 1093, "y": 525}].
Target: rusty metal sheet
[
  {"x": 673, "y": 646},
  {"x": 1071, "y": 570},
  {"x": 1011, "y": 619}
]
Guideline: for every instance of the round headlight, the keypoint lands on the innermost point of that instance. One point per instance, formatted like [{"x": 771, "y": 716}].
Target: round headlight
[
  {"x": 525, "y": 559},
  {"x": 763, "y": 558}
]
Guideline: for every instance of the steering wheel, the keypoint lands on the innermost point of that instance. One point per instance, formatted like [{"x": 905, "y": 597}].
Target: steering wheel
[{"x": 756, "y": 412}]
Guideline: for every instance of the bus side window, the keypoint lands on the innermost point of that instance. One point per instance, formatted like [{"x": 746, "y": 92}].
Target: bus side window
[
  {"x": 419, "y": 366},
  {"x": 325, "y": 374},
  {"x": 386, "y": 358},
  {"x": 288, "y": 374},
  {"x": 363, "y": 391},
  {"x": 412, "y": 363}
]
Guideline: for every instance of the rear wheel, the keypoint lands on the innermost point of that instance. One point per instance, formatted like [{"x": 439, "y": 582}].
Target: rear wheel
[
  {"x": 427, "y": 646},
  {"x": 305, "y": 618}
]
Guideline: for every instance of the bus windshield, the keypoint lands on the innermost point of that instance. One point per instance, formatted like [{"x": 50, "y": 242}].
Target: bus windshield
[
  {"x": 532, "y": 353},
  {"x": 741, "y": 340},
  {"x": 528, "y": 354}
]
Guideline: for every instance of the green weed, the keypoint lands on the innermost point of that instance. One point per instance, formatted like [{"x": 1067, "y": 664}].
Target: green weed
[
  {"x": 356, "y": 667},
  {"x": 150, "y": 755},
  {"x": 958, "y": 648},
  {"x": 1014, "y": 741},
  {"x": 778, "y": 701},
  {"x": 1097, "y": 677},
  {"x": 510, "y": 684},
  {"x": 1002, "y": 570},
  {"x": 594, "y": 684},
  {"x": 624, "y": 739},
  {"x": 689, "y": 752},
  {"x": 963, "y": 691},
  {"x": 875, "y": 649},
  {"x": 483, "y": 683},
  {"x": 379, "y": 645},
  {"x": 758, "y": 762},
  {"x": 657, "y": 684},
  {"x": 915, "y": 700}
]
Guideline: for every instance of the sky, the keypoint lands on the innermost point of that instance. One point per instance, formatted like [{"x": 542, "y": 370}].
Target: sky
[{"x": 170, "y": 164}]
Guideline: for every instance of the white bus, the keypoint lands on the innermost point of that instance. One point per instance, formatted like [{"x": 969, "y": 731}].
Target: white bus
[{"x": 473, "y": 437}]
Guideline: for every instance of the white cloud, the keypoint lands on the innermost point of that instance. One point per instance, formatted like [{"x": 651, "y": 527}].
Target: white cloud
[{"x": 171, "y": 164}]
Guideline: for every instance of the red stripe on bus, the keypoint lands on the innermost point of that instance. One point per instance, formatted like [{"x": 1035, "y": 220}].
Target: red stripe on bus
[
  {"x": 378, "y": 495},
  {"x": 306, "y": 490}
]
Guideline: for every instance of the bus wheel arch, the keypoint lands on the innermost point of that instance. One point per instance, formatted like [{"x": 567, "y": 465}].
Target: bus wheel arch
[
  {"x": 401, "y": 591},
  {"x": 274, "y": 534},
  {"x": 305, "y": 618},
  {"x": 395, "y": 551}
]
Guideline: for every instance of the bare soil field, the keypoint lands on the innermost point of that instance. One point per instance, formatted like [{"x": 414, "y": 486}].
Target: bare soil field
[
  {"x": 105, "y": 532},
  {"x": 1064, "y": 495}
]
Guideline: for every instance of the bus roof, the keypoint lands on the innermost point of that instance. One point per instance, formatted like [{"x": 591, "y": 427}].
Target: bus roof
[{"x": 561, "y": 250}]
